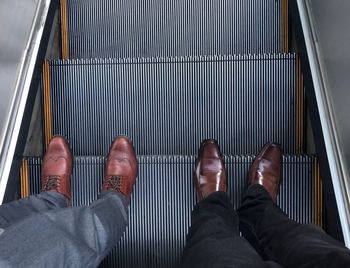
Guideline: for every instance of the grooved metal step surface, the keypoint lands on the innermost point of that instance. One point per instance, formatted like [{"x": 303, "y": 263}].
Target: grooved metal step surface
[
  {"x": 164, "y": 197},
  {"x": 133, "y": 28},
  {"x": 169, "y": 105}
]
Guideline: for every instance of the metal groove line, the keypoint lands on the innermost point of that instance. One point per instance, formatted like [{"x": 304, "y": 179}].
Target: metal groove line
[
  {"x": 300, "y": 107},
  {"x": 164, "y": 196},
  {"x": 169, "y": 105},
  {"x": 133, "y": 28}
]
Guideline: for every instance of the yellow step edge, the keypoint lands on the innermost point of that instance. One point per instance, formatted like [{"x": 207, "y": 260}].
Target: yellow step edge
[
  {"x": 24, "y": 178},
  {"x": 64, "y": 29},
  {"x": 285, "y": 26},
  {"x": 318, "y": 196},
  {"x": 47, "y": 115}
]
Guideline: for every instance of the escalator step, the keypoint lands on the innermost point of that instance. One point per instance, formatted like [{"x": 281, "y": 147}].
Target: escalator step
[
  {"x": 169, "y": 105},
  {"x": 133, "y": 28},
  {"x": 164, "y": 196}
]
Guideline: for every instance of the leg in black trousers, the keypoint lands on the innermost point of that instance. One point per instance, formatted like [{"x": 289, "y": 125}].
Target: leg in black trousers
[
  {"x": 285, "y": 241},
  {"x": 214, "y": 240}
]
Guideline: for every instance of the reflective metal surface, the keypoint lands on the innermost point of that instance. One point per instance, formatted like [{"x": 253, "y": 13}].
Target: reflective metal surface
[
  {"x": 21, "y": 28},
  {"x": 13, "y": 35},
  {"x": 327, "y": 35}
]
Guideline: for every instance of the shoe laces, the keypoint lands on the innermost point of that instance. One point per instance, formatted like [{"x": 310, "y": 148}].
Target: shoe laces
[
  {"x": 51, "y": 182},
  {"x": 113, "y": 182}
]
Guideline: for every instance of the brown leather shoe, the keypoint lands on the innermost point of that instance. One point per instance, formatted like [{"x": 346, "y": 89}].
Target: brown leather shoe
[
  {"x": 266, "y": 169},
  {"x": 210, "y": 173},
  {"x": 121, "y": 167},
  {"x": 57, "y": 168}
]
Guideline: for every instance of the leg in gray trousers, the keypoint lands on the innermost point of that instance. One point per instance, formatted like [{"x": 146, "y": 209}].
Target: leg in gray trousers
[{"x": 41, "y": 232}]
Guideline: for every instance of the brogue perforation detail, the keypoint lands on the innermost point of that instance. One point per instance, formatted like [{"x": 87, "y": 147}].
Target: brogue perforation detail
[
  {"x": 113, "y": 183},
  {"x": 51, "y": 183}
]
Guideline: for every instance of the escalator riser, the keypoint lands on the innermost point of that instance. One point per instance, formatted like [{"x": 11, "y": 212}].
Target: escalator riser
[
  {"x": 169, "y": 105},
  {"x": 133, "y": 28}
]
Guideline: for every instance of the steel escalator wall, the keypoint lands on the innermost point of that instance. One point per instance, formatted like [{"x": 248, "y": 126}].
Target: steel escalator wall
[
  {"x": 25, "y": 28},
  {"x": 323, "y": 39},
  {"x": 164, "y": 196}
]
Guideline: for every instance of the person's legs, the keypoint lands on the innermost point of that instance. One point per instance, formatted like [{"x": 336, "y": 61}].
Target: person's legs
[
  {"x": 80, "y": 236},
  {"x": 13, "y": 211},
  {"x": 111, "y": 213},
  {"x": 270, "y": 231},
  {"x": 69, "y": 237},
  {"x": 213, "y": 239},
  {"x": 55, "y": 189}
]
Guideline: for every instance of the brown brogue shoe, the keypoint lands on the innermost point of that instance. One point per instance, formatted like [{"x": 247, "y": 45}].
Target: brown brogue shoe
[
  {"x": 266, "y": 169},
  {"x": 57, "y": 168},
  {"x": 210, "y": 173},
  {"x": 121, "y": 167}
]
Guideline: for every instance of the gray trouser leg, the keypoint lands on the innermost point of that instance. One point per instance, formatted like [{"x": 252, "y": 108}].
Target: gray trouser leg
[
  {"x": 19, "y": 209},
  {"x": 67, "y": 237}
]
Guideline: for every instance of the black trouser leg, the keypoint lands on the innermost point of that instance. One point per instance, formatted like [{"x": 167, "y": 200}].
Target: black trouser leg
[
  {"x": 285, "y": 241},
  {"x": 213, "y": 239}
]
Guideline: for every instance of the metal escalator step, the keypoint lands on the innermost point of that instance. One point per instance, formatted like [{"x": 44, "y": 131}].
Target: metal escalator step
[
  {"x": 133, "y": 28},
  {"x": 164, "y": 196},
  {"x": 169, "y": 105}
]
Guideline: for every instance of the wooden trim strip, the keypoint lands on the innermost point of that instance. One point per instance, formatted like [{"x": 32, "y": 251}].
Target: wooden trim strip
[
  {"x": 285, "y": 26},
  {"x": 24, "y": 178},
  {"x": 318, "y": 196},
  {"x": 47, "y": 114},
  {"x": 64, "y": 29}
]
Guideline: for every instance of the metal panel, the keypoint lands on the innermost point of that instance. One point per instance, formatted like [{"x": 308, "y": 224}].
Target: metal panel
[
  {"x": 15, "y": 21},
  {"x": 164, "y": 196},
  {"x": 327, "y": 38},
  {"x": 133, "y": 28},
  {"x": 22, "y": 24},
  {"x": 169, "y": 105}
]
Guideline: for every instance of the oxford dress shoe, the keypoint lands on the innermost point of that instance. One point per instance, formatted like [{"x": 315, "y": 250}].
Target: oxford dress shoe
[
  {"x": 266, "y": 169},
  {"x": 57, "y": 168},
  {"x": 210, "y": 173},
  {"x": 121, "y": 167}
]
